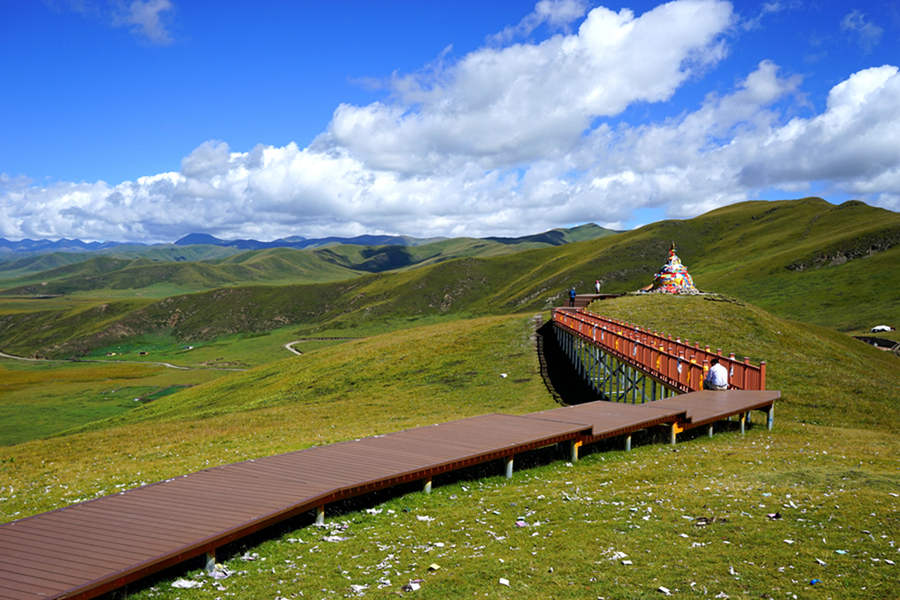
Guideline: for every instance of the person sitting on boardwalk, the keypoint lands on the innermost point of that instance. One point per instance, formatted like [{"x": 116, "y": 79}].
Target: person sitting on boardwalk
[
  {"x": 717, "y": 377},
  {"x": 572, "y": 297}
]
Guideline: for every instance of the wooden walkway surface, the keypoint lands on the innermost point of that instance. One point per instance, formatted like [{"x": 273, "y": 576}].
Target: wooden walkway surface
[{"x": 87, "y": 549}]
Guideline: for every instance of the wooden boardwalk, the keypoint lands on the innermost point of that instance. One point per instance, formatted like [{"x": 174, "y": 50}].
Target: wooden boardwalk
[{"x": 87, "y": 549}]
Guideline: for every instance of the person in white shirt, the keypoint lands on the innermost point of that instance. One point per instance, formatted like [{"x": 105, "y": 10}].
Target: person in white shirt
[{"x": 716, "y": 377}]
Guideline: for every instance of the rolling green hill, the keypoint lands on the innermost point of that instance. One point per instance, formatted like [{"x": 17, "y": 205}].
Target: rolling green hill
[
  {"x": 771, "y": 254},
  {"x": 153, "y": 269}
]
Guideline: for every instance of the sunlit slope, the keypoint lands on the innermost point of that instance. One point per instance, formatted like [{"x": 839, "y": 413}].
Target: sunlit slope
[
  {"x": 432, "y": 374},
  {"x": 818, "y": 369},
  {"x": 837, "y": 266},
  {"x": 827, "y": 378}
]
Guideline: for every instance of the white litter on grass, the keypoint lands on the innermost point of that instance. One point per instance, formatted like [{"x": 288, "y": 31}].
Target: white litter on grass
[
  {"x": 374, "y": 511},
  {"x": 788, "y": 541},
  {"x": 504, "y": 582},
  {"x": 185, "y": 584},
  {"x": 627, "y": 562},
  {"x": 424, "y": 518},
  {"x": 665, "y": 590}
]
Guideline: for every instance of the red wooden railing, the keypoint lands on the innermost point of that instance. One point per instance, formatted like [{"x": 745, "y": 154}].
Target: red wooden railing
[{"x": 674, "y": 362}]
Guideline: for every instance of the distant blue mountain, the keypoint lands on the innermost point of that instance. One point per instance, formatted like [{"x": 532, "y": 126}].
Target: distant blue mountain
[
  {"x": 63, "y": 245},
  {"x": 300, "y": 242}
]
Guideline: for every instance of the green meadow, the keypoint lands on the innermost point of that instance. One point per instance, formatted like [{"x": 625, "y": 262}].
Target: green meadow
[{"x": 807, "y": 510}]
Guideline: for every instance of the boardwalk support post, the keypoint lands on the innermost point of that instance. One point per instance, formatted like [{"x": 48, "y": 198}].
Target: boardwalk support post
[
  {"x": 320, "y": 516},
  {"x": 509, "y": 467},
  {"x": 710, "y": 430},
  {"x": 210, "y": 561},
  {"x": 628, "y": 443},
  {"x": 574, "y": 446},
  {"x": 771, "y": 416},
  {"x": 426, "y": 487},
  {"x": 675, "y": 431},
  {"x": 743, "y": 422}
]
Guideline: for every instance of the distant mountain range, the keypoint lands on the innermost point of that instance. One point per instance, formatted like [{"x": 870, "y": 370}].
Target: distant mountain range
[
  {"x": 62, "y": 245},
  {"x": 554, "y": 237}
]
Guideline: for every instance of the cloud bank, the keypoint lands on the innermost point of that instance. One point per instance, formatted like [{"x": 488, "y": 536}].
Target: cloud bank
[{"x": 514, "y": 138}]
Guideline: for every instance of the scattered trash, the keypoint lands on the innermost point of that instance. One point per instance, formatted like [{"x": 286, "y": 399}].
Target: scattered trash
[
  {"x": 220, "y": 572},
  {"x": 840, "y": 552},
  {"x": 359, "y": 590},
  {"x": 521, "y": 524},
  {"x": 247, "y": 557},
  {"x": 788, "y": 541},
  {"x": 774, "y": 516},
  {"x": 888, "y": 561},
  {"x": 665, "y": 590},
  {"x": 814, "y": 582},
  {"x": 504, "y": 582},
  {"x": 412, "y": 586},
  {"x": 185, "y": 584},
  {"x": 334, "y": 538},
  {"x": 627, "y": 562},
  {"x": 503, "y": 375},
  {"x": 374, "y": 511},
  {"x": 433, "y": 567},
  {"x": 424, "y": 518},
  {"x": 821, "y": 562}
]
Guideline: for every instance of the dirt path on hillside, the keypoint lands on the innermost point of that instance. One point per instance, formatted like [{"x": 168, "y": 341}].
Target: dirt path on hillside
[
  {"x": 133, "y": 362},
  {"x": 290, "y": 345}
]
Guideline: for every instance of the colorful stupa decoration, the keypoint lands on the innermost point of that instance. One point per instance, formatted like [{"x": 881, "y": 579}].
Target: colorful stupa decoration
[{"x": 673, "y": 278}]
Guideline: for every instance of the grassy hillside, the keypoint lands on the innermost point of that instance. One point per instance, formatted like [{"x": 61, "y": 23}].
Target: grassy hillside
[
  {"x": 828, "y": 469},
  {"x": 136, "y": 268},
  {"x": 766, "y": 253}
]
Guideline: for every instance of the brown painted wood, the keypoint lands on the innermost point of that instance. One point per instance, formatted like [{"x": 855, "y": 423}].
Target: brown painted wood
[{"x": 87, "y": 549}]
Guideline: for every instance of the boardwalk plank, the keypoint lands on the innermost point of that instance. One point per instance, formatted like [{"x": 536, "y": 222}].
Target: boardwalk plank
[{"x": 119, "y": 538}]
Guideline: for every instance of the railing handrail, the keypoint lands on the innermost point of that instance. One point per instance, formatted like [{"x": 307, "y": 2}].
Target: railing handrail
[{"x": 672, "y": 361}]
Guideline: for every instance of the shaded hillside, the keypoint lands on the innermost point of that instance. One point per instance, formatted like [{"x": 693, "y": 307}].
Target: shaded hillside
[{"x": 558, "y": 237}]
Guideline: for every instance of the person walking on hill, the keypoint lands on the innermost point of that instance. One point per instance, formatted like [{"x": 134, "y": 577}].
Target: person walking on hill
[
  {"x": 572, "y": 295},
  {"x": 717, "y": 377},
  {"x": 597, "y": 286}
]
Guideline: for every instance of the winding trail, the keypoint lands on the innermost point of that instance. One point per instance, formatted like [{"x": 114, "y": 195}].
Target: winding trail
[
  {"x": 133, "y": 362},
  {"x": 290, "y": 345}
]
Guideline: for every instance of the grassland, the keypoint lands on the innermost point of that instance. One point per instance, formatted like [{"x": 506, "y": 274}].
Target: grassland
[
  {"x": 424, "y": 345},
  {"x": 691, "y": 518}
]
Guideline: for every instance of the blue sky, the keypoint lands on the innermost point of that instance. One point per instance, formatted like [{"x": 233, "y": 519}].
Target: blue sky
[{"x": 147, "y": 120}]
